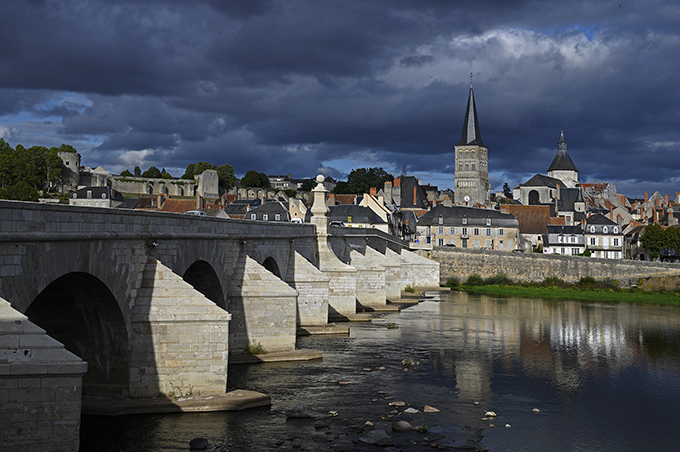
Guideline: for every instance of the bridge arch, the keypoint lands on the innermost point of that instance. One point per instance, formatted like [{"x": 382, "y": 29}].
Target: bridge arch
[
  {"x": 271, "y": 265},
  {"x": 80, "y": 311},
  {"x": 204, "y": 279}
]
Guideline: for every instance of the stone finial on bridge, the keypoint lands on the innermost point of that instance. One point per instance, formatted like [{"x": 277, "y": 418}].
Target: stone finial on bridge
[{"x": 320, "y": 207}]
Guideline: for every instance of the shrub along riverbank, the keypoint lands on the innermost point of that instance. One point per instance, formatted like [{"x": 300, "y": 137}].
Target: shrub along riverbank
[{"x": 587, "y": 289}]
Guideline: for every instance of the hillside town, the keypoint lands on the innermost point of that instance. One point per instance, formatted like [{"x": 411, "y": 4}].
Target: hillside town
[{"x": 551, "y": 213}]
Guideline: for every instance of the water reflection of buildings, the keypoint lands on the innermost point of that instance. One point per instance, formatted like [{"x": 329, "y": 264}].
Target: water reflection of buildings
[{"x": 561, "y": 342}]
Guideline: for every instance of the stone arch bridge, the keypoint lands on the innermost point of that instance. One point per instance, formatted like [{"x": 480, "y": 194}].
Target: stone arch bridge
[{"x": 146, "y": 304}]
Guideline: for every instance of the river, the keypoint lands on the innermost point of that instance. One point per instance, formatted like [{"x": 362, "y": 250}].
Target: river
[{"x": 560, "y": 376}]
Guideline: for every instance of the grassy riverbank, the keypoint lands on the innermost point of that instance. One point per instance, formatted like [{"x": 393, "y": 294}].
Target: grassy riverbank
[{"x": 553, "y": 288}]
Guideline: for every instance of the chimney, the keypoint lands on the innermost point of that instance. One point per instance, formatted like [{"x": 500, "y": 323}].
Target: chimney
[
  {"x": 415, "y": 195},
  {"x": 645, "y": 196},
  {"x": 623, "y": 199},
  {"x": 656, "y": 202},
  {"x": 331, "y": 199},
  {"x": 397, "y": 182},
  {"x": 666, "y": 198},
  {"x": 373, "y": 191}
]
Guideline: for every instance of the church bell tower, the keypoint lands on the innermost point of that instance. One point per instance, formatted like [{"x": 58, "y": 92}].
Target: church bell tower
[{"x": 471, "y": 172}]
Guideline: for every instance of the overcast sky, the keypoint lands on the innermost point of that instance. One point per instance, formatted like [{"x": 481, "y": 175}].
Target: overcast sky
[{"x": 324, "y": 86}]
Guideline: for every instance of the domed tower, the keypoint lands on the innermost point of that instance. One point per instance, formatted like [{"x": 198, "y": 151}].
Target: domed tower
[
  {"x": 471, "y": 172},
  {"x": 562, "y": 167}
]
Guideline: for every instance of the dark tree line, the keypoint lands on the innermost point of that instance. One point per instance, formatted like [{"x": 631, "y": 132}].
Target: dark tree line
[
  {"x": 361, "y": 180},
  {"x": 660, "y": 241},
  {"x": 24, "y": 172}
]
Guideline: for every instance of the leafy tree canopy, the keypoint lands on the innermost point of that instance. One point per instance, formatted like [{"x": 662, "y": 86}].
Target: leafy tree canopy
[
  {"x": 152, "y": 172},
  {"x": 224, "y": 172},
  {"x": 342, "y": 188},
  {"x": 126, "y": 173},
  {"x": 361, "y": 180},
  {"x": 254, "y": 179},
  {"x": 37, "y": 167},
  {"x": 308, "y": 184},
  {"x": 137, "y": 171}
]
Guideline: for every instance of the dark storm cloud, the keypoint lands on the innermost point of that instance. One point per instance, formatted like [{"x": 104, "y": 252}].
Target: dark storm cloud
[{"x": 302, "y": 86}]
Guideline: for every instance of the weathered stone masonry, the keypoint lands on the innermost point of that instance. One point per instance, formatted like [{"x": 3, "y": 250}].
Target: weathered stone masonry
[{"x": 536, "y": 267}]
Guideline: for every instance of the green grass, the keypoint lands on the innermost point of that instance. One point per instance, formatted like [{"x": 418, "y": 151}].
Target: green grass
[{"x": 579, "y": 292}]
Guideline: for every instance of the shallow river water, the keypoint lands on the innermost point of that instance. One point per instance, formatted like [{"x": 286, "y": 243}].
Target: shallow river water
[{"x": 560, "y": 376}]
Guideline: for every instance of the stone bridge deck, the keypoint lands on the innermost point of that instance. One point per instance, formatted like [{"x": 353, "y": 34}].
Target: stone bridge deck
[{"x": 154, "y": 303}]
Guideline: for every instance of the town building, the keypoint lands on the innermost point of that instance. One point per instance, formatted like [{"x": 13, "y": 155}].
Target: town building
[
  {"x": 564, "y": 240},
  {"x": 269, "y": 211},
  {"x": 466, "y": 227},
  {"x": 96, "y": 197},
  {"x": 604, "y": 237}
]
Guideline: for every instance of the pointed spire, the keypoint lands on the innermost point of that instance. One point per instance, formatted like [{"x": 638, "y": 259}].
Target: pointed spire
[
  {"x": 471, "y": 134},
  {"x": 562, "y": 161}
]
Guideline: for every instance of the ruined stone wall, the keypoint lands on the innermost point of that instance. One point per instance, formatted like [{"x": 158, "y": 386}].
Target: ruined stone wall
[{"x": 533, "y": 267}]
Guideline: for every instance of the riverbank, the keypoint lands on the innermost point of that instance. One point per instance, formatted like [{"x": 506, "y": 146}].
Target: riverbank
[{"x": 576, "y": 293}]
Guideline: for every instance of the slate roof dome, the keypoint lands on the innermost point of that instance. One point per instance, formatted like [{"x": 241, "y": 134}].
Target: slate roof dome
[{"x": 562, "y": 161}]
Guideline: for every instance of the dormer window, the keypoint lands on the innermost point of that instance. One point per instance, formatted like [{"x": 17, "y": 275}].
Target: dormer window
[
  {"x": 464, "y": 220},
  {"x": 488, "y": 221},
  {"x": 592, "y": 229},
  {"x": 616, "y": 230},
  {"x": 605, "y": 229},
  {"x": 104, "y": 195},
  {"x": 89, "y": 193},
  {"x": 441, "y": 220}
]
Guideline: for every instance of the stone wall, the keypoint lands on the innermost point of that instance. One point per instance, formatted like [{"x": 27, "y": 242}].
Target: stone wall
[{"x": 535, "y": 267}]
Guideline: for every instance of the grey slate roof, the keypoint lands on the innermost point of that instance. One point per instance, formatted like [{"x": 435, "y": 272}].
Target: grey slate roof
[
  {"x": 568, "y": 197},
  {"x": 408, "y": 185},
  {"x": 98, "y": 193},
  {"x": 539, "y": 180},
  {"x": 599, "y": 219},
  {"x": 453, "y": 216},
  {"x": 471, "y": 134},
  {"x": 359, "y": 214},
  {"x": 562, "y": 161},
  {"x": 563, "y": 229}
]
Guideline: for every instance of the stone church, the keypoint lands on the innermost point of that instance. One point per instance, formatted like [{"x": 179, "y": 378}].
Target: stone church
[{"x": 471, "y": 171}]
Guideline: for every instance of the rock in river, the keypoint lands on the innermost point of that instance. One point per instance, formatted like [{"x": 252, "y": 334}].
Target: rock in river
[{"x": 377, "y": 437}]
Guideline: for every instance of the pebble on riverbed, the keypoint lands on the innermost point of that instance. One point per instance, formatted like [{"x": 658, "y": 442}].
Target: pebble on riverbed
[
  {"x": 299, "y": 412},
  {"x": 397, "y": 403},
  {"x": 198, "y": 444},
  {"x": 430, "y": 409}
]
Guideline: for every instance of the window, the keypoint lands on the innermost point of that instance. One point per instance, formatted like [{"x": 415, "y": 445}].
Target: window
[
  {"x": 562, "y": 251},
  {"x": 605, "y": 229},
  {"x": 616, "y": 230},
  {"x": 559, "y": 239},
  {"x": 592, "y": 229},
  {"x": 463, "y": 243},
  {"x": 452, "y": 231},
  {"x": 440, "y": 242},
  {"x": 615, "y": 242},
  {"x": 440, "y": 230},
  {"x": 277, "y": 217},
  {"x": 488, "y": 232},
  {"x": 464, "y": 231},
  {"x": 572, "y": 239},
  {"x": 574, "y": 251},
  {"x": 488, "y": 221},
  {"x": 89, "y": 193},
  {"x": 265, "y": 217},
  {"x": 253, "y": 216},
  {"x": 593, "y": 241},
  {"x": 475, "y": 231},
  {"x": 464, "y": 220},
  {"x": 501, "y": 231},
  {"x": 489, "y": 243},
  {"x": 441, "y": 220}
]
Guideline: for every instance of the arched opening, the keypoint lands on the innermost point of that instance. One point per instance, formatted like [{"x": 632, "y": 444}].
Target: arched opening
[
  {"x": 204, "y": 279},
  {"x": 534, "y": 198},
  {"x": 270, "y": 264},
  {"x": 79, "y": 311}
]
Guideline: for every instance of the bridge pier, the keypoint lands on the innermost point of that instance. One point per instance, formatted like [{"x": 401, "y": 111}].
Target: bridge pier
[
  {"x": 263, "y": 310},
  {"x": 40, "y": 388},
  {"x": 420, "y": 271},
  {"x": 313, "y": 292},
  {"x": 178, "y": 340},
  {"x": 370, "y": 280},
  {"x": 392, "y": 264}
]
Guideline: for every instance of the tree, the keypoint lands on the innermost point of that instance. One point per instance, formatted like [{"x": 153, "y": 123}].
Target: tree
[
  {"x": 507, "y": 191},
  {"x": 21, "y": 191},
  {"x": 672, "y": 240},
  {"x": 254, "y": 179},
  {"x": 227, "y": 177},
  {"x": 165, "y": 174},
  {"x": 152, "y": 172},
  {"x": 308, "y": 184},
  {"x": 653, "y": 240},
  {"x": 224, "y": 172},
  {"x": 342, "y": 188},
  {"x": 363, "y": 179},
  {"x": 138, "y": 171},
  {"x": 126, "y": 173}
]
